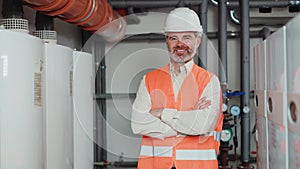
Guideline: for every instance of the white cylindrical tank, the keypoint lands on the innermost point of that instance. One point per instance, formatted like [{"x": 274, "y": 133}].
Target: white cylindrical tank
[
  {"x": 83, "y": 109},
  {"x": 20, "y": 101},
  {"x": 276, "y": 99},
  {"x": 293, "y": 91},
  {"x": 58, "y": 115},
  {"x": 260, "y": 106}
]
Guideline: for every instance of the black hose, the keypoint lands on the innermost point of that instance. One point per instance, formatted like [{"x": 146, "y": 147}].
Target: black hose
[
  {"x": 12, "y": 9},
  {"x": 43, "y": 22}
]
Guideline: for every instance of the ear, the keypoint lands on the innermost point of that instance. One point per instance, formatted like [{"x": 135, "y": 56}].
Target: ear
[{"x": 198, "y": 41}]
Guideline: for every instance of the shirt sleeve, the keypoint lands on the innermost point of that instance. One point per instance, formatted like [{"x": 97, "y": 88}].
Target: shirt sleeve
[
  {"x": 197, "y": 122},
  {"x": 142, "y": 121}
]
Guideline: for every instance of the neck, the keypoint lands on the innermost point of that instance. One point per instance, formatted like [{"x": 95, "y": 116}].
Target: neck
[{"x": 177, "y": 65}]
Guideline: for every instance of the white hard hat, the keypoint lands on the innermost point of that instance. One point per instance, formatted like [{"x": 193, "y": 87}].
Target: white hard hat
[{"x": 183, "y": 20}]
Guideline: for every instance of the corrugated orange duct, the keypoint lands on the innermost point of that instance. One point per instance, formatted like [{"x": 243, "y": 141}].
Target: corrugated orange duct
[{"x": 92, "y": 15}]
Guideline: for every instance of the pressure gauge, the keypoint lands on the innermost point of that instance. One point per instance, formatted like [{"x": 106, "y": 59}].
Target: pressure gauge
[
  {"x": 246, "y": 109},
  {"x": 226, "y": 135},
  {"x": 235, "y": 110}
]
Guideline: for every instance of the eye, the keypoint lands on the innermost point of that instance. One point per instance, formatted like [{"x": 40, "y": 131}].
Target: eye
[
  {"x": 173, "y": 38},
  {"x": 187, "y": 38}
]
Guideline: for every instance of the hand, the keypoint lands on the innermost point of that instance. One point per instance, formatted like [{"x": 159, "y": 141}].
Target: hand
[
  {"x": 156, "y": 112},
  {"x": 203, "y": 103}
]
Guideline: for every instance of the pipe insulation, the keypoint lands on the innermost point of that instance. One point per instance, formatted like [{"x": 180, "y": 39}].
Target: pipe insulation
[
  {"x": 203, "y": 47},
  {"x": 91, "y": 15}
]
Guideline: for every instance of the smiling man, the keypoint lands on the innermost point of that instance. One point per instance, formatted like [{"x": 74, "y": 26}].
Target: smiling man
[{"x": 178, "y": 107}]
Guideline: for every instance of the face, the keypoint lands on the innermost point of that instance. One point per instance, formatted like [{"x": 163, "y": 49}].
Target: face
[{"x": 182, "y": 46}]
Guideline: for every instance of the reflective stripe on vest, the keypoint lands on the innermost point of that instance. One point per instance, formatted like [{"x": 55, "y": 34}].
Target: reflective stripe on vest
[
  {"x": 166, "y": 151},
  {"x": 157, "y": 151},
  {"x": 217, "y": 135},
  {"x": 196, "y": 154}
]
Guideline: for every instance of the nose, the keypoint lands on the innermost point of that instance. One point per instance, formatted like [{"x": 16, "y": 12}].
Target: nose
[{"x": 180, "y": 43}]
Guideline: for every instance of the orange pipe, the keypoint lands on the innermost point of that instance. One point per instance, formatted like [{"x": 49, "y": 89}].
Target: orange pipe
[
  {"x": 91, "y": 15},
  {"x": 97, "y": 23},
  {"x": 83, "y": 14},
  {"x": 41, "y": 5},
  {"x": 62, "y": 10},
  {"x": 103, "y": 23}
]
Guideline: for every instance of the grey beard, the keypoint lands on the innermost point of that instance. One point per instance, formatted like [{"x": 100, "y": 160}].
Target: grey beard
[{"x": 177, "y": 59}]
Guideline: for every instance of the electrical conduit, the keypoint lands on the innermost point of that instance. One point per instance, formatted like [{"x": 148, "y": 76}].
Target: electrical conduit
[{"x": 91, "y": 15}]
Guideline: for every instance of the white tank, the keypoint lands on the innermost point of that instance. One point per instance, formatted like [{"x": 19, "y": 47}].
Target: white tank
[
  {"x": 261, "y": 106},
  {"x": 58, "y": 115},
  {"x": 20, "y": 101},
  {"x": 277, "y": 99},
  {"x": 293, "y": 91},
  {"x": 83, "y": 109}
]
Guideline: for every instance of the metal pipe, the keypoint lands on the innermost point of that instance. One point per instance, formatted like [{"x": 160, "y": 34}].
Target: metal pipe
[
  {"x": 103, "y": 108},
  {"x": 126, "y": 164},
  {"x": 260, "y": 4},
  {"x": 100, "y": 83},
  {"x": 114, "y": 95},
  {"x": 180, "y": 3},
  {"x": 117, "y": 164},
  {"x": 222, "y": 43},
  {"x": 245, "y": 82},
  {"x": 203, "y": 48},
  {"x": 210, "y": 35},
  {"x": 152, "y": 4}
]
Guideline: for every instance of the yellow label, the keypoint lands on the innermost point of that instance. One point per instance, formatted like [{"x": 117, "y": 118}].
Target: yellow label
[{"x": 38, "y": 89}]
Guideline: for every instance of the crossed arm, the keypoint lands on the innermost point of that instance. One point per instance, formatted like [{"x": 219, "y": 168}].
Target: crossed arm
[{"x": 161, "y": 123}]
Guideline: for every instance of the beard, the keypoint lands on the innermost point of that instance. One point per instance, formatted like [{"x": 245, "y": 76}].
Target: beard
[{"x": 182, "y": 58}]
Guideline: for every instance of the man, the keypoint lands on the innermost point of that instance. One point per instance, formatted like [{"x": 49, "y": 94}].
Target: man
[{"x": 178, "y": 106}]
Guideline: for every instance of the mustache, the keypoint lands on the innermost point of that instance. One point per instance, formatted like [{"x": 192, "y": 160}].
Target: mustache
[{"x": 182, "y": 48}]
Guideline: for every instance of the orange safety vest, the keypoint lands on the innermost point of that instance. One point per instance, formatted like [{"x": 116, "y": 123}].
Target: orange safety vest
[{"x": 185, "y": 152}]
